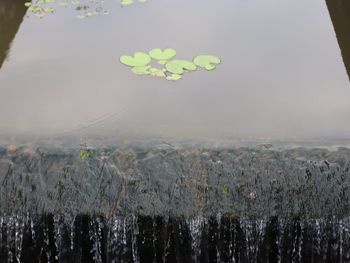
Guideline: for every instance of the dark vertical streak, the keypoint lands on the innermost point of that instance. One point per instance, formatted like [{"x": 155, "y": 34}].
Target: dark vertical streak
[
  {"x": 339, "y": 11},
  {"x": 11, "y": 17}
]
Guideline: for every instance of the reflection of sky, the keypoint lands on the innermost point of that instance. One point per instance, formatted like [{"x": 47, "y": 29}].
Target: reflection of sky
[{"x": 282, "y": 74}]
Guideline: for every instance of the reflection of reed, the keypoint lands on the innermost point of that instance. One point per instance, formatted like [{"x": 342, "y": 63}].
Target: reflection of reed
[
  {"x": 11, "y": 16},
  {"x": 340, "y": 14}
]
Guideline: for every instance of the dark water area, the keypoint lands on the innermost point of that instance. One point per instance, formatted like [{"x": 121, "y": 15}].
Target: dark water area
[{"x": 58, "y": 238}]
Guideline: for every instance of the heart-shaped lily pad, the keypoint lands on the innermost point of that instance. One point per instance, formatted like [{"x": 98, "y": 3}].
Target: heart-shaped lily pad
[
  {"x": 178, "y": 66},
  {"x": 162, "y": 55},
  {"x": 207, "y": 61},
  {"x": 138, "y": 60}
]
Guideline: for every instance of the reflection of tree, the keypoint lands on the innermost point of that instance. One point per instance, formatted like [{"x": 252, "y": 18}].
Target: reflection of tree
[
  {"x": 11, "y": 16},
  {"x": 340, "y": 15}
]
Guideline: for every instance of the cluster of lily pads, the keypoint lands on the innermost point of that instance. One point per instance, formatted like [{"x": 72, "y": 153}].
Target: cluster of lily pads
[
  {"x": 84, "y": 8},
  {"x": 172, "y": 69},
  {"x": 129, "y": 2}
]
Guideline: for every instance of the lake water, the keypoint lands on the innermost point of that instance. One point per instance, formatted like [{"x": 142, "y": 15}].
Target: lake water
[
  {"x": 98, "y": 164},
  {"x": 282, "y": 73}
]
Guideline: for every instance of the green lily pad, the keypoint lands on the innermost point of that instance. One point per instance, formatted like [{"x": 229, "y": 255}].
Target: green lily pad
[
  {"x": 162, "y": 55},
  {"x": 207, "y": 61},
  {"x": 49, "y": 9},
  {"x": 40, "y": 15},
  {"x": 143, "y": 70},
  {"x": 138, "y": 60},
  {"x": 174, "y": 77},
  {"x": 178, "y": 66},
  {"x": 126, "y": 2}
]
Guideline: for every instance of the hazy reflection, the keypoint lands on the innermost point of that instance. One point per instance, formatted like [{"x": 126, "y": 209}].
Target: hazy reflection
[
  {"x": 340, "y": 14},
  {"x": 11, "y": 16}
]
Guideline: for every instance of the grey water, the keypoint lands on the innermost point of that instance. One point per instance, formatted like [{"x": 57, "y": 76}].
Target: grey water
[
  {"x": 282, "y": 73},
  {"x": 247, "y": 163}
]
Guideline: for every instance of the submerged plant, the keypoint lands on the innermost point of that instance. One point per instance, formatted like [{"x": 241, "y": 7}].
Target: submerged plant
[
  {"x": 84, "y": 154},
  {"x": 173, "y": 69}
]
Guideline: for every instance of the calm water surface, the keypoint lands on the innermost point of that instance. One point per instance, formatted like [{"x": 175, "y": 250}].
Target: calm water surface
[{"x": 282, "y": 74}]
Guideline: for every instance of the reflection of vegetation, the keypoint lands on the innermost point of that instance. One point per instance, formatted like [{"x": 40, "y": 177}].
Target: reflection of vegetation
[
  {"x": 84, "y": 8},
  {"x": 173, "y": 69}
]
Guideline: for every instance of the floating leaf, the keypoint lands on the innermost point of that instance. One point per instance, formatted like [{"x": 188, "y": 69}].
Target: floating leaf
[
  {"x": 40, "y": 15},
  {"x": 34, "y": 8},
  {"x": 138, "y": 60},
  {"x": 143, "y": 70},
  {"x": 174, "y": 77},
  {"x": 126, "y": 2},
  {"x": 28, "y": 4},
  {"x": 207, "y": 61},
  {"x": 48, "y": 9},
  {"x": 178, "y": 66},
  {"x": 162, "y": 55}
]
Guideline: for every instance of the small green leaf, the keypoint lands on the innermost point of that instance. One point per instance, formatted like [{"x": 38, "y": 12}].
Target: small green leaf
[
  {"x": 174, "y": 77},
  {"x": 225, "y": 190},
  {"x": 84, "y": 154},
  {"x": 126, "y": 2},
  {"x": 207, "y": 61},
  {"x": 28, "y": 4},
  {"x": 138, "y": 60},
  {"x": 48, "y": 9},
  {"x": 40, "y": 15},
  {"x": 162, "y": 55},
  {"x": 178, "y": 66}
]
